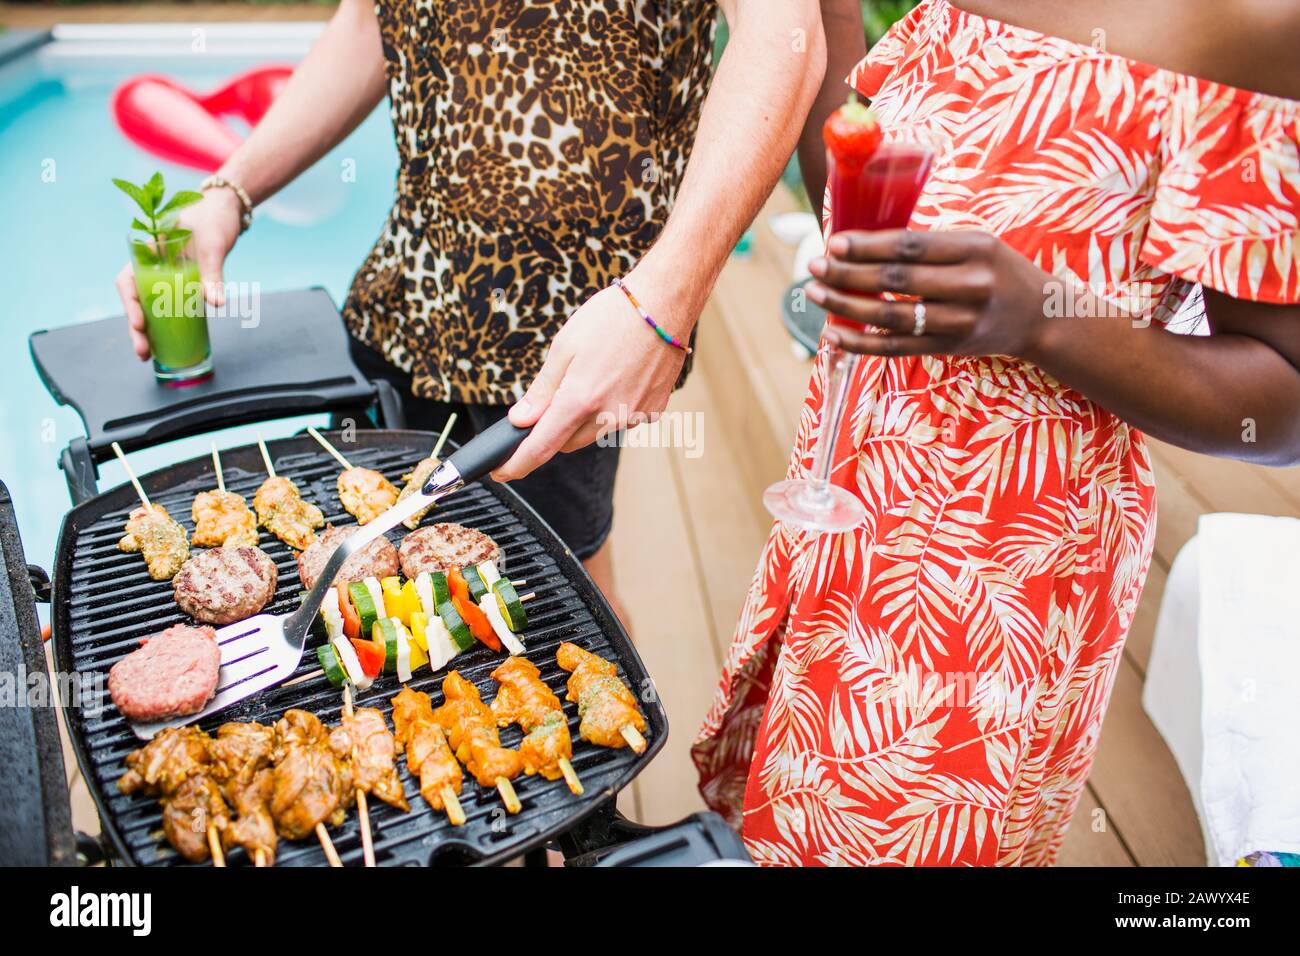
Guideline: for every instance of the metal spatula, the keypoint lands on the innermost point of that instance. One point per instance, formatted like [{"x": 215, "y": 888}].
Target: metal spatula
[{"x": 265, "y": 650}]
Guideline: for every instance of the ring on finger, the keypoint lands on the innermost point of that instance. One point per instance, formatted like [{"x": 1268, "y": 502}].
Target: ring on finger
[{"x": 918, "y": 315}]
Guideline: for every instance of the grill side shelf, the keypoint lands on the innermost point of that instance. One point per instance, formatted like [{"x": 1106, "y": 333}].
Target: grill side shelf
[{"x": 105, "y": 602}]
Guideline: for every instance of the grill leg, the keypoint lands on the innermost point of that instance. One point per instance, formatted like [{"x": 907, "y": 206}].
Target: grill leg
[{"x": 605, "y": 829}]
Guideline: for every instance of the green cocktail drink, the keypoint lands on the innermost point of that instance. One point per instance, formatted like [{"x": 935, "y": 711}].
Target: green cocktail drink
[{"x": 175, "y": 322}]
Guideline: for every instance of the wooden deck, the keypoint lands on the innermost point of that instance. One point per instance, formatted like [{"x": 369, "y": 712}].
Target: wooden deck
[{"x": 694, "y": 527}]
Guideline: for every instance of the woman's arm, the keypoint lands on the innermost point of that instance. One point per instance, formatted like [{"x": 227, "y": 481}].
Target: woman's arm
[
  {"x": 846, "y": 45},
  {"x": 605, "y": 368},
  {"x": 335, "y": 87},
  {"x": 1234, "y": 393}
]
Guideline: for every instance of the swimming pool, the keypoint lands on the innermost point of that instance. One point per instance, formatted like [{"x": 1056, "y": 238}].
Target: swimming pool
[{"x": 65, "y": 225}]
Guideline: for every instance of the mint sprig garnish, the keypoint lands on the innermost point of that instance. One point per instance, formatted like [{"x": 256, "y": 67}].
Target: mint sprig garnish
[{"x": 160, "y": 218}]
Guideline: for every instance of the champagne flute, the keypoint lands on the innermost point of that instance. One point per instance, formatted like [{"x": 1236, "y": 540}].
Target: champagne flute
[{"x": 879, "y": 195}]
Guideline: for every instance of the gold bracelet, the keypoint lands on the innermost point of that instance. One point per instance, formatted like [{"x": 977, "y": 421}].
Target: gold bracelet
[{"x": 219, "y": 182}]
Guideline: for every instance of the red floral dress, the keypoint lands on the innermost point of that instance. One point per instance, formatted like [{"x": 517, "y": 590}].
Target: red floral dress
[{"x": 929, "y": 688}]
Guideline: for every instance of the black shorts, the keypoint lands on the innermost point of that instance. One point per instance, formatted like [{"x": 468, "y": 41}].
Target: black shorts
[{"x": 574, "y": 492}]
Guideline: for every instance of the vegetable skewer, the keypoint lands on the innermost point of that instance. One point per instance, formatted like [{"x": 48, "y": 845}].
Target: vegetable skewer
[{"x": 364, "y": 492}]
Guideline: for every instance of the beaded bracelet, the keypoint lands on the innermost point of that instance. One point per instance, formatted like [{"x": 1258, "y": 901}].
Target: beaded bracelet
[{"x": 671, "y": 340}]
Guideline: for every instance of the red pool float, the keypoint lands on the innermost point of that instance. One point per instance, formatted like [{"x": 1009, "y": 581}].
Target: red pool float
[{"x": 174, "y": 123}]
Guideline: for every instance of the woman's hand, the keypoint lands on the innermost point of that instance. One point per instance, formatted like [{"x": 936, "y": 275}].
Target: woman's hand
[
  {"x": 605, "y": 371},
  {"x": 981, "y": 297},
  {"x": 215, "y": 222}
]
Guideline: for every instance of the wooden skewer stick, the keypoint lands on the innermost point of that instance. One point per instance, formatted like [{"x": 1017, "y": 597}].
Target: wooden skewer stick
[
  {"x": 130, "y": 473},
  {"x": 442, "y": 439},
  {"x": 214, "y": 846},
  {"x": 216, "y": 466},
  {"x": 266, "y": 456},
  {"x": 633, "y": 738},
  {"x": 327, "y": 845},
  {"x": 571, "y": 777},
  {"x": 527, "y": 597},
  {"x": 259, "y": 858},
  {"x": 451, "y": 804},
  {"x": 328, "y": 447},
  {"x": 363, "y": 809},
  {"x": 508, "y": 795}
]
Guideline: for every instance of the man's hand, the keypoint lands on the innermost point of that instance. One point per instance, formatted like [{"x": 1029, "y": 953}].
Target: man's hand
[{"x": 605, "y": 371}]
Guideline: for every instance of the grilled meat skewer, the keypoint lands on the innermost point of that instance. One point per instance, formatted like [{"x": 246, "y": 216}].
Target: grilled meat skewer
[
  {"x": 428, "y": 755},
  {"x": 283, "y": 511},
  {"x": 365, "y": 493},
  {"x": 609, "y": 711},
  {"x": 223, "y": 519},
  {"x": 156, "y": 535},
  {"x": 176, "y": 767},
  {"x": 373, "y": 753},
  {"x": 472, "y": 732},
  {"x": 241, "y": 759},
  {"x": 524, "y": 699},
  {"x": 312, "y": 784}
]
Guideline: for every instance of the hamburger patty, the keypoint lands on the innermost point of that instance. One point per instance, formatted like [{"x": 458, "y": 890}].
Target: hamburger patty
[
  {"x": 225, "y": 585},
  {"x": 378, "y": 559},
  {"x": 173, "y": 673},
  {"x": 441, "y": 547}
]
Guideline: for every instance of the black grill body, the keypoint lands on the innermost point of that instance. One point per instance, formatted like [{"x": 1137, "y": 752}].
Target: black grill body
[{"x": 105, "y": 602}]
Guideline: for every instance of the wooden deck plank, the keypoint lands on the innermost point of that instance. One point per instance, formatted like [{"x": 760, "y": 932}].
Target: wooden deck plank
[
  {"x": 1227, "y": 485},
  {"x": 1142, "y": 633},
  {"x": 1135, "y": 778},
  {"x": 1091, "y": 840}
]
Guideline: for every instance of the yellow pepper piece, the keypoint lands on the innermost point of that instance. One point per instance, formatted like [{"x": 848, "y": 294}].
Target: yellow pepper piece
[
  {"x": 419, "y": 627},
  {"x": 418, "y": 657}
]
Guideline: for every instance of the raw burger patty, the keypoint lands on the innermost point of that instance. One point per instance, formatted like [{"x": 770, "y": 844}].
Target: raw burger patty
[
  {"x": 225, "y": 585},
  {"x": 441, "y": 547},
  {"x": 378, "y": 559},
  {"x": 174, "y": 673}
]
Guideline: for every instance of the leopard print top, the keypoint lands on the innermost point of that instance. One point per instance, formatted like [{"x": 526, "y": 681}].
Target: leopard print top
[{"x": 541, "y": 143}]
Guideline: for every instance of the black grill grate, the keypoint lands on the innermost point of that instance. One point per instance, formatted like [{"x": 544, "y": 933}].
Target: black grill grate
[{"x": 105, "y": 602}]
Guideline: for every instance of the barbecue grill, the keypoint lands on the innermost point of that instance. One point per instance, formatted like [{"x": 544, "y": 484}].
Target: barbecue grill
[{"x": 103, "y": 603}]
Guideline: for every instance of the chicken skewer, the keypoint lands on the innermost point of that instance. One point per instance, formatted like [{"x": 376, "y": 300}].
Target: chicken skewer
[
  {"x": 420, "y": 473},
  {"x": 428, "y": 755},
  {"x": 472, "y": 733},
  {"x": 153, "y": 532},
  {"x": 222, "y": 518},
  {"x": 374, "y": 752},
  {"x": 282, "y": 510},
  {"x": 608, "y": 708},
  {"x": 241, "y": 759},
  {"x": 175, "y": 766},
  {"x": 365, "y": 493},
  {"x": 524, "y": 699},
  {"x": 312, "y": 780}
]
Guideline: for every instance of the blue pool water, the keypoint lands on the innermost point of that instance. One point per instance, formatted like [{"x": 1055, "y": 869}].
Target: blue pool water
[{"x": 64, "y": 233}]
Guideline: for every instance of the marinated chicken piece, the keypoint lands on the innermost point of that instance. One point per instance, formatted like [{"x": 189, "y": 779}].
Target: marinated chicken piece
[
  {"x": 414, "y": 482},
  {"x": 253, "y": 827},
  {"x": 282, "y": 511},
  {"x": 524, "y": 699},
  {"x": 365, "y": 493},
  {"x": 222, "y": 519},
  {"x": 427, "y": 752},
  {"x": 187, "y": 813},
  {"x": 605, "y": 703},
  {"x": 164, "y": 544},
  {"x": 373, "y": 753},
  {"x": 310, "y": 785},
  {"x": 472, "y": 733},
  {"x": 241, "y": 759},
  {"x": 167, "y": 761}
]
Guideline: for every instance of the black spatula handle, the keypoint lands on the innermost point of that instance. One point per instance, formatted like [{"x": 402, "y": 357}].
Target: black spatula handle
[{"x": 488, "y": 449}]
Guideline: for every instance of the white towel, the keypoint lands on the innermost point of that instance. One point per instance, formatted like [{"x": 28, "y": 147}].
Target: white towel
[{"x": 1250, "y": 683}]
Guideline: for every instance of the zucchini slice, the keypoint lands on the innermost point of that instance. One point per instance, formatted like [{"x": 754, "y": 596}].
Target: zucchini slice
[
  {"x": 387, "y": 634},
  {"x": 329, "y": 663},
  {"x": 512, "y": 609},
  {"x": 364, "y": 602},
  {"x": 492, "y": 609},
  {"x": 489, "y": 573},
  {"x": 441, "y": 589},
  {"x": 461, "y": 636},
  {"x": 475, "y": 582}
]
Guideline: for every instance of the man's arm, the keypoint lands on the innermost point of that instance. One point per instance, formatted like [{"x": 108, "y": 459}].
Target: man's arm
[
  {"x": 846, "y": 45},
  {"x": 605, "y": 367}
]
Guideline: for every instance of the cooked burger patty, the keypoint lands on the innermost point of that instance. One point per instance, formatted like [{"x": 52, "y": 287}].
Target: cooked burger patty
[
  {"x": 174, "y": 673},
  {"x": 441, "y": 547},
  {"x": 378, "y": 559},
  {"x": 225, "y": 585}
]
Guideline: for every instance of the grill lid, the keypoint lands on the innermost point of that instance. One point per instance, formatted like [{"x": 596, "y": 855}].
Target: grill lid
[{"x": 105, "y": 602}]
